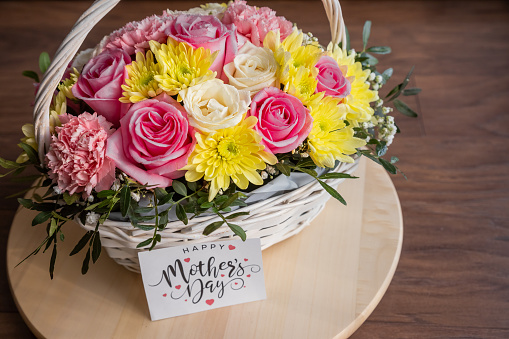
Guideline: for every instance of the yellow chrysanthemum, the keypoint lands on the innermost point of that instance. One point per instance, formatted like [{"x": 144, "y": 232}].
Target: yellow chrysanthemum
[
  {"x": 182, "y": 65},
  {"x": 302, "y": 84},
  {"x": 358, "y": 102},
  {"x": 66, "y": 85},
  {"x": 29, "y": 132},
  {"x": 330, "y": 139},
  {"x": 306, "y": 56},
  {"x": 141, "y": 83},
  {"x": 291, "y": 55},
  {"x": 58, "y": 107},
  {"x": 232, "y": 153}
]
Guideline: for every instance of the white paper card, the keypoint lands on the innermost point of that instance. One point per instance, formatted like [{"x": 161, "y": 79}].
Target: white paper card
[{"x": 192, "y": 278}]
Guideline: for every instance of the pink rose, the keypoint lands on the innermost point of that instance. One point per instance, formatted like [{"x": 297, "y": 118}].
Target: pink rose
[
  {"x": 283, "y": 121},
  {"x": 208, "y": 32},
  {"x": 331, "y": 79},
  {"x": 254, "y": 23},
  {"x": 153, "y": 142},
  {"x": 99, "y": 84},
  {"x": 134, "y": 36},
  {"x": 77, "y": 154}
]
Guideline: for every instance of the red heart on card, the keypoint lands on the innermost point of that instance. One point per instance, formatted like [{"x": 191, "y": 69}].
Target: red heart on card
[
  {"x": 209, "y": 302},
  {"x": 245, "y": 259},
  {"x": 187, "y": 259},
  {"x": 231, "y": 247},
  {"x": 222, "y": 275},
  {"x": 178, "y": 287},
  {"x": 248, "y": 275},
  {"x": 236, "y": 283},
  {"x": 164, "y": 295}
]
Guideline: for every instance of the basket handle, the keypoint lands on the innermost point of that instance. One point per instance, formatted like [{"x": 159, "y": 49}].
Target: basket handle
[{"x": 79, "y": 32}]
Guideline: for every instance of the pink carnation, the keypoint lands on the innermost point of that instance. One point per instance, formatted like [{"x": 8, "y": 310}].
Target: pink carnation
[
  {"x": 254, "y": 23},
  {"x": 134, "y": 36},
  {"x": 77, "y": 155}
]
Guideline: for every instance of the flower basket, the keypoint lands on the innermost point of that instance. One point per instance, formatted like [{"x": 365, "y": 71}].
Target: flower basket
[{"x": 220, "y": 121}]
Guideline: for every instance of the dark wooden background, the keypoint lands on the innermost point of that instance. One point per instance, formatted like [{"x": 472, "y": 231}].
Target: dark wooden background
[{"x": 453, "y": 277}]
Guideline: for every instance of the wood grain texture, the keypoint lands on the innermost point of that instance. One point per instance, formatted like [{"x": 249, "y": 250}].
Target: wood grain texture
[
  {"x": 321, "y": 283},
  {"x": 452, "y": 280}
]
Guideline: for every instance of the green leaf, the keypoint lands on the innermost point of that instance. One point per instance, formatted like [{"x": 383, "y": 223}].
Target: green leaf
[
  {"x": 179, "y": 187},
  {"x": 366, "y": 31},
  {"x": 144, "y": 243},
  {"x": 181, "y": 214},
  {"x": 332, "y": 192},
  {"x": 160, "y": 193},
  {"x": 96, "y": 249},
  {"x": 387, "y": 74},
  {"x": 53, "y": 260},
  {"x": 394, "y": 160},
  {"x": 156, "y": 239},
  {"x": 27, "y": 203},
  {"x": 25, "y": 178},
  {"x": 403, "y": 85},
  {"x": 347, "y": 39},
  {"x": 219, "y": 199},
  {"x": 8, "y": 164},
  {"x": 86, "y": 262},
  {"x": 283, "y": 168},
  {"x": 125, "y": 199},
  {"x": 388, "y": 166},
  {"x": 166, "y": 199},
  {"x": 106, "y": 193},
  {"x": 163, "y": 220},
  {"x": 207, "y": 205},
  {"x": 31, "y": 75},
  {"x": 371, "y": 59},
  {"x": 212, "y": 227},
  {"x": 143, "y": 209},
  {"x": 83, "y": 241},
  {"x": 381, "y": 149},
  {"x": 30, "y": 151},
  {"x": 308, "y": 171},
  {"x": 238, "y": 231},
  {"x": 235, "y": 215},
  {"x": 44, "y": 62},
  {"x": 192, "y": 186},
  {"x": 230, "y": 200},
  {"x": 404, "y": 109},
  {"x": 411, "y": 91},
  {"x": 41, "y": 217},
  {"x": 395, "y": 90},
  {"x": 70, "y": 199},
  {"x": 62, "y": 236},
  {"x": 53, "y": 226},
  {"x": 333, "y": 175},
  {"x": 379, "y": 50}
]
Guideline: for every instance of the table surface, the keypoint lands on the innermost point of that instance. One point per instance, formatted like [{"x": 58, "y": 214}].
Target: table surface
[
  {"x": 321, "y": 283},
  {"x": 453, "y": 277}
]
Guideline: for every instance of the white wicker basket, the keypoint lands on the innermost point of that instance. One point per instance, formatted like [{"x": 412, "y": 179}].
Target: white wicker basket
[{"x": 272, "y": 220}]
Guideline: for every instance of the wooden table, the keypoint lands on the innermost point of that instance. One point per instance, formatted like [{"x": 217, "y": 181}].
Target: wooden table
[{"x": 453, "y": 276}]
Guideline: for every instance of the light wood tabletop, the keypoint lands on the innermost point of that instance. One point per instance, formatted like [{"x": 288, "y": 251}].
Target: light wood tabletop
[{"x": 452, "y": 280}]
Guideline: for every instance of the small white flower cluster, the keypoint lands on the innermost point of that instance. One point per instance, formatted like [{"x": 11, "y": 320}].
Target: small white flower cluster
[
  {"x": 309, "y": 39},
  {"x": 387, "y": 129},
  {"x": 376, "y": 82},
  {"x": 92, "y": 218}
]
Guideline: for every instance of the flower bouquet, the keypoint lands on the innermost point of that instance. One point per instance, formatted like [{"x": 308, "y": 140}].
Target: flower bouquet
[{"x": 200, "y": 125}]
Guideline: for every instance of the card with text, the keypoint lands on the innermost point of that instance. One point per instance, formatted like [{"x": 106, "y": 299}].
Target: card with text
[{"x": 193, "y": 278}]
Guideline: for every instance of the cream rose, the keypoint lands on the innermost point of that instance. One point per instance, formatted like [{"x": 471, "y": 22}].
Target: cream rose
[
  {"x": 253, "y": 69},
  {"x": 213, "y": 105}
]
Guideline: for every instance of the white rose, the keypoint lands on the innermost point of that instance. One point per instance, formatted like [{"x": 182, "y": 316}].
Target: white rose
[
  {"x": 253, "y": 69},
  {"x": 213, "y": 105}
]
